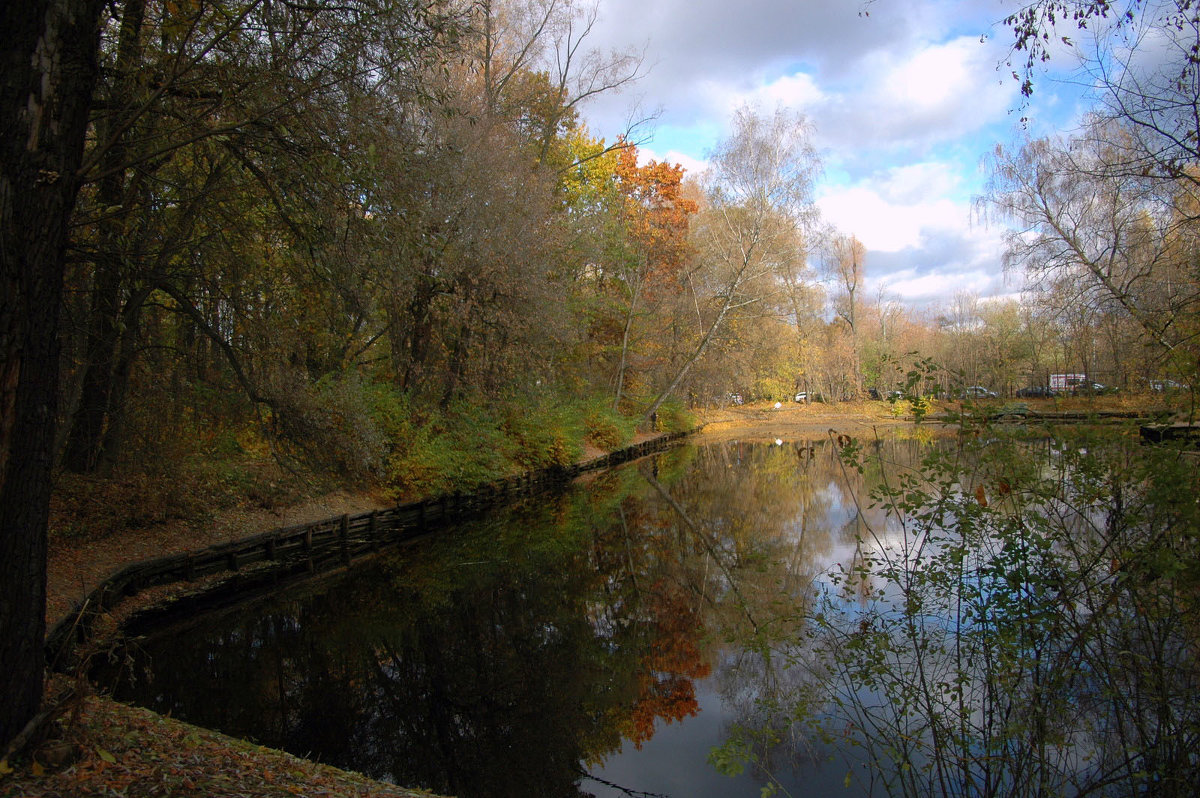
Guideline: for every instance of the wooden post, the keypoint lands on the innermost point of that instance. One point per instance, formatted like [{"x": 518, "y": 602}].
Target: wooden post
[
  {"x": 372, "y": 530},
  {"x": 344, "y": 534}
]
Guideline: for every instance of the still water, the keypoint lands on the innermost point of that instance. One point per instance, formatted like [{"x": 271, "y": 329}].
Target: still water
[{"x": 602, "y": 641}]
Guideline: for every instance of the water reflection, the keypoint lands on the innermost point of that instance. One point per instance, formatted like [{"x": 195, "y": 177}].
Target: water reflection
[{"x": 579, "y": 634}]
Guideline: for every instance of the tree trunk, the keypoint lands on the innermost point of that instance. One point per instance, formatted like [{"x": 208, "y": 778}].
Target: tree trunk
[
  {"x": 701, "y": 348},
  {"x": 629, "y": 314},
  {"x": 457, "y": 365},
  {"x": 420, "y": 330},
  {"x": 47, "y": 75},
  {"x": 87, "y": 435},
  {"x": 87, "y": 424}
]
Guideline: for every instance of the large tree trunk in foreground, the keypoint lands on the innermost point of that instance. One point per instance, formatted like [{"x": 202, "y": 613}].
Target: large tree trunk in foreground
[{"x": 47, "y": 74}]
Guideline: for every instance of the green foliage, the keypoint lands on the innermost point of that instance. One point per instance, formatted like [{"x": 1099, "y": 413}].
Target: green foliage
[
  {"x": 1020, "y": 618},
  {"x": 606, "y": 428},
  {"x": 674, "y": 417},
  {"x": 436, "y": 451},
  {"x": 729, "y": 759},
  {"x": 993, "y": 629},
  {"x": 545, "y": 435},
  {"x": 457, "y": 451}
]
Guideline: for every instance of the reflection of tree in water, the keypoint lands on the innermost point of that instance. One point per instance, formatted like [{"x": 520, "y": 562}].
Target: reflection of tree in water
[
  {"x": 495, "y": 660},
  {"x": 1006, "y": 649},
  {"x": 465, "y": 680},
  {"x": 783, "y": 521},
  {"x": 487, "y": 662}
]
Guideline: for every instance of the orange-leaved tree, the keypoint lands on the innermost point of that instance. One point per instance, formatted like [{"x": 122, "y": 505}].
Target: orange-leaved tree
[{"x": 655, "y": 214}]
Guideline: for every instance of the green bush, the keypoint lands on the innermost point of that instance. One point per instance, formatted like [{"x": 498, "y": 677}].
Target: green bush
[
  {"x": 443, "y": 453},
  {"x": 605, "y": 428},
  {"x": 674, "y": 417},
  {"x": 548, "y": 434}
]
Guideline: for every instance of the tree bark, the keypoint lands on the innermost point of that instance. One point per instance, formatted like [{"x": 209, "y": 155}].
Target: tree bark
[
  {"x": 87, "y": 433},
  {"x": 47, "y": 75},
  {"x": 699, "y": 351},
  {"x": 629, "y": 314}
]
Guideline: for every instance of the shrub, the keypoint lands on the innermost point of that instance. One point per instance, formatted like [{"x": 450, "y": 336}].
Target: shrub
[
  {"x": 674, "y": 417},
  {"x": 605, "y": 428},
  {"x": 545, "y": 435}
]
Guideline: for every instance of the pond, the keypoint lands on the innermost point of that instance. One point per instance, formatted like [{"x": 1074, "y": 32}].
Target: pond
[{"x": 647, "y": 631}]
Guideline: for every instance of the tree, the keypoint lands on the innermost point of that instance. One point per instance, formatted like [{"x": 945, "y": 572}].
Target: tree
[
  {"x": 49, "y": 57},
  {"x": 656, "y": 216},
  {"x": 959, "y": 325},
  {"x": 529, "y": 49},
  {"x": 846, "y": 257},
  {"x": 750, "y": 229},
  {"x": 1099, "y": 235},
  {"x": 275, "y": 124}
]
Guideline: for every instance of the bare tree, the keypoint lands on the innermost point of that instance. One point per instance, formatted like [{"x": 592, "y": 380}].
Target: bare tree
[
  {"x": 750, "y": 231},
  {"x": 1110, "y": 234},
  {"x": 847, "y": 257},
  {"x": 844, "y": 265},
  {"x": 541, "y": 46}
]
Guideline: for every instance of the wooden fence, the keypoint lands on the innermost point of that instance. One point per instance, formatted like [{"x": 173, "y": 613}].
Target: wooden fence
[{"x": 264, "y": 560}]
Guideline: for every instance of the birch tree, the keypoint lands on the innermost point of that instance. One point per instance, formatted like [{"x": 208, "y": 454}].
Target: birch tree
[
  {"x": 1103, "y": 234},
  {"x": 751, "y": 228}
]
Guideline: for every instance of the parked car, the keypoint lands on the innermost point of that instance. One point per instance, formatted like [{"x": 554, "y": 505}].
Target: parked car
[
  {"x": 1093, "y": 388},
  {"x": 1036, "y": 392},
  {"x": 1167, "y": 385},
  {"x": 976, "y": 392},
  {"x": 802, "y": 396}
]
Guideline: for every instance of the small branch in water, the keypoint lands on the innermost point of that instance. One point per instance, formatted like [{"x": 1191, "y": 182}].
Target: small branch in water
[{"x": 626, "y": 790}]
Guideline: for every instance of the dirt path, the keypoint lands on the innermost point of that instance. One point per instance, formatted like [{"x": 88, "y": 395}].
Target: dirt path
[
  {"x": 796, "y": 421},
  {"x": 75, "y": 567}
]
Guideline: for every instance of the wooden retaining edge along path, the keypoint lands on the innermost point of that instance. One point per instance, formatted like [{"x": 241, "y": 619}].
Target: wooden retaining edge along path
[
  {"x": 312, "y": 548},
  {"x": 1018, "y": 412},
  {"x": 1180, "y": 432}
]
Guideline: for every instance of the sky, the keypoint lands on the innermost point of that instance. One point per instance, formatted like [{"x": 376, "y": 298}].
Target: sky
[{"x": 906, "y": 97}]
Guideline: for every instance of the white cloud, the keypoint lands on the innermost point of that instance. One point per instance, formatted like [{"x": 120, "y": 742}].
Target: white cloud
[
  {"x": 910, "y": 183},
  {"x": 933, "y": 289},
  {"x": 693, "y": 166},
  {"x": 933, "y": 78},
  {"x": 904, "y": 103},
  {"x": 919, "y": 98},
  {"x": 921, "y": 243},
  {"x": 886, "y": 224},
  {"x": 798, "y": 91}
]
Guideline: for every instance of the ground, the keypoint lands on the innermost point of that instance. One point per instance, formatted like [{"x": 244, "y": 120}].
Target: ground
[{"x": 105, "y": 748}]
